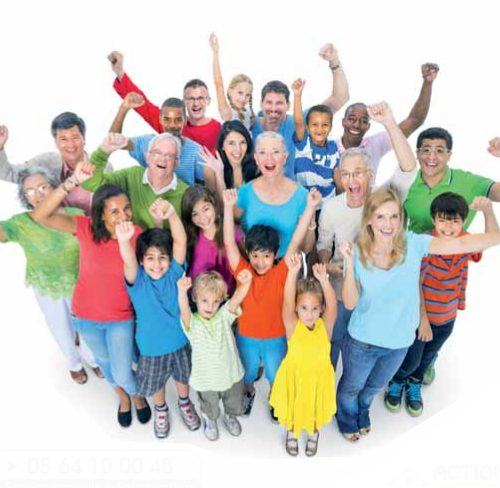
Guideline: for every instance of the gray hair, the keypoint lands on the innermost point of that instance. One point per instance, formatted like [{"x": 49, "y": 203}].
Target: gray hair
[
  {"x": 166, "y": 136},
  {"x": 356, "y": 151},
  {"x": 269, "y": 134},
  {"x": 28, "y": 171}
]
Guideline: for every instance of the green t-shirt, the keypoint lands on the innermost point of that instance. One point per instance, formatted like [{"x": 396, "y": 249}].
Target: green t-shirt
[
  {"x": 51, "y": 256},
  {"x": 418, "y": 201}
]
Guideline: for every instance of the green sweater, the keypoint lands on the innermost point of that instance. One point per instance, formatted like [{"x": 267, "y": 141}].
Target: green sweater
[{"x": 130, "y": 180}]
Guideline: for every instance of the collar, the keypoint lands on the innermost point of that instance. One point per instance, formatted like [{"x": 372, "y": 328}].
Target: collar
[
  {"x": 445, "y": 180},
  {"x": 171, "y": 186}
]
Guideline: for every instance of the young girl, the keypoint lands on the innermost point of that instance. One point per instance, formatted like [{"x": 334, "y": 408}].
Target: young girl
[
  {"x": 238, "y": 104},
  {"x": 303, "y": 394},
  {"x": 202, "y": 218}
]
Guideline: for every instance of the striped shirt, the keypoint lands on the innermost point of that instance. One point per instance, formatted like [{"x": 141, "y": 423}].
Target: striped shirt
[{"x": 444, "y": 284}]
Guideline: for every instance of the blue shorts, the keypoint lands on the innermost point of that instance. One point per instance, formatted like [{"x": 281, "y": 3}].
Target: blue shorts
[{"x": 254, "y": 351}]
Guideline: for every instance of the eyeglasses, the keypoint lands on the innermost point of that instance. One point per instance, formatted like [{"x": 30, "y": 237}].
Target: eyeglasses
[
  {"x": 196, "y": 99},
  {"x": 41, "y": 189},
  {"x": 163, "y": 156},
  {"x": 439, "y": 150},
  {"x": 354, "y": 174}
]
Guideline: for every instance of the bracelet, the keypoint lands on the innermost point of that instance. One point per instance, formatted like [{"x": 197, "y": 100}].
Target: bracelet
[{"x": 337, "y": 66}]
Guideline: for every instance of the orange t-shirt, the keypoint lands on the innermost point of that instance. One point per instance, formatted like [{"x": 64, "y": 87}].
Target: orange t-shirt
[{"x": 261, "y": 317}]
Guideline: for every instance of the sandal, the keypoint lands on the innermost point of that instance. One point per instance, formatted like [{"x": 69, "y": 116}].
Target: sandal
[
  {"x": 312, "y": 444},
  {"x": 352, "y": 437},
  {"x": 291, "y": 444},
  {"x": 365, "y": 430},
  {"x": 98, "y": 372},
  {"x": 79, "y": 377}
]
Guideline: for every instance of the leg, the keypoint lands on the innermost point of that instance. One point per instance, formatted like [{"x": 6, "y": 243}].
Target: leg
[
  {"x": 339, "y": 331},
  {"x": 210, "y": 411},
  {"x": 273, "y": 352},
  {"x": 411, "y": 361},
  {"x": 232, "y": 399}
]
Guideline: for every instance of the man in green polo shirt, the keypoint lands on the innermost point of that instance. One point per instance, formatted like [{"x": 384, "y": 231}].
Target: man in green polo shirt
[
  {"x": 435, "y": 177},
  {"x": 143, "y": 185}
]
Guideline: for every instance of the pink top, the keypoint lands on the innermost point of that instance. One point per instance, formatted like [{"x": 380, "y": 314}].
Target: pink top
[
  {"x": 100, "y": 293},
  {"x": 206, "y": 257}
]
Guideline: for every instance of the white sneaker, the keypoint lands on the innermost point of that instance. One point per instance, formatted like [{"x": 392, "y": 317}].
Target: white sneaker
[
  {"x": 162, "y": 425},
  {"x": 210, "y": 428},
  {"x": 232, "y": 424}
]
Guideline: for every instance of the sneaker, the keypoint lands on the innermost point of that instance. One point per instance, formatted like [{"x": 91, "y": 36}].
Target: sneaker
[
  {"x": 248, "y": 399},
  {"x": 162, "y": 425},
  {"x": 189, "y": 416},
  {"x": 210, "y": 428},
  {"x": 413, "y": 397},
  {"x": 429, "y": 375},
  {"x": 232, "y": 424},
  {"x": 274, "y": 419},
  {"x": 393, "y": 395}
]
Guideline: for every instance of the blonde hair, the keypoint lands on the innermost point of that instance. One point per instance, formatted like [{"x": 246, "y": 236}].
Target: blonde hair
[
  {"x": 241, "y": 78},
  {"x": 366, "y": 237},
  {"x": 211, "y": 282},
  {"x": 310, "y": 285}
]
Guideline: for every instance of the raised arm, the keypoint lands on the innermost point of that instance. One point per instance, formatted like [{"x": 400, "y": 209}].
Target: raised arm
[
  {"x": 131, "y": 101},
  {"x": 382, "y": 113},
  {"x": 244, "y": 280},
  {"x": 464, "y": 244},
  {"x": 288, "y": 314},
  {"x": 216, "y": 166},
  {"x": 419, "y": 111},
  {"x": 232, "y": 250},
  {"x": 222, "y": 102},
  {"x": 340, "y": 88},
  {"x": 298, "y": 114},
  {"x": 330, "y": 312},
  {"x": 183, "y": 285},
  {"x": 7, "y": 171},
  {"x": 124, "y": 232},
  {"x": 350, "y": 288},
  {"x": 483, "y": 204},
  {"x": 494, "y": 150}
]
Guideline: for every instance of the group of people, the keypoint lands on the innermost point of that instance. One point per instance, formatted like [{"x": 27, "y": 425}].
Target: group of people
[{"x": 253, "y": 247}]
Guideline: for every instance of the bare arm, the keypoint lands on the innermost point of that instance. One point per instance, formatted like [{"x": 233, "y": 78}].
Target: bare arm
[
  {"x": 419, "y": 111},
  {"x": 298, "y": 113},
  {"x": 288, "y": 314},
  {"x": 183, "y": 285},
  {"x": 132, "y": 100},
  {"x": 124, "y": 232},
  {"x": 232, "y": 250},
  {"x": 350, "y": 288},
  {"x": 244, "y": 279},
  {"x": 222, "y": 103},
  {"x": 340, "y": 88},
  {"x": 483, "y": 204},
  {"x": 330, "y": 312},
  {"x": 464, "y": 244},
  {"x": 424, "y": 332},
  {"x": 3, "y": 235}
]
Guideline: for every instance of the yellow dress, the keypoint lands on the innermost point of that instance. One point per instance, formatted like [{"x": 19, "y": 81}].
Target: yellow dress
[{"x": 303, "y": 394}]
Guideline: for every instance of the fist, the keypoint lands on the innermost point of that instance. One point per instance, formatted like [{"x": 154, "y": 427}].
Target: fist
[
  {"x": 4, "y": 135},
  {"x": 430, "y": 71},
  {"x": 161, "y": 209},
  {"x": 329, "y": 53},
  {"x": 116, "y": 60},
  {"x": 112, "y": 142},
  {"x": 494, "y": 147},
  {"x": 313, "y": 198},
  {"x": 298, "y": 86},
  {"x": 184, "y": 284},
  {"x": 293, "y": 262},
  {"x": 346, "y": 248},
  {"x": 380, "y": 112},
  {"x": 133, "y": 100},
  {"x": 124, "y": 230},
  {"x": 229, "y": 197},
  {"x": 83, "y": 172},
  {"x": 482, "y": 204},
  {"x": 214, "y": 42}
]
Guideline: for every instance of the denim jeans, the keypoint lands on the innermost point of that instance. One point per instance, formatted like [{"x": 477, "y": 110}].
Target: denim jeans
[
  {"x": 112, "y": 344},
  {"x": 421, "y": 354},
  {"x": 366, "y": 370},
  {"x": 339, "y": 332}
]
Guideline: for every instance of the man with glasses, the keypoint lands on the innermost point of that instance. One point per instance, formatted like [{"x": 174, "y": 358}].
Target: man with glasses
[
  {"x": 434, "y": 147},
  {"x": 197, "y": 127}
]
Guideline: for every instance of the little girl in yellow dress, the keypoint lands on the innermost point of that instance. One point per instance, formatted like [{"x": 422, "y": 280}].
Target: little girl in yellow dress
[{"x": 303, "y": 393}]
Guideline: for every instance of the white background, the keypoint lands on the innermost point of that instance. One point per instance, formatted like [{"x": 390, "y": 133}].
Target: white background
[{"x": 54, "y": 59}]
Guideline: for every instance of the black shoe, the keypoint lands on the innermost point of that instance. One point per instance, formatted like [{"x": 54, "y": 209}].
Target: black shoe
[
  {"x": 274, "y": 419},
  {"x": 124, "y": 418},
  {"x": 143, "y": 414}
]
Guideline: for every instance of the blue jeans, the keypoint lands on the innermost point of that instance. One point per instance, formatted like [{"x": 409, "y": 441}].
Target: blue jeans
[
  {"x": 366, "y": 370},
  {"x": 112, "y": 344},
  {"x": 339, "y": 332}
]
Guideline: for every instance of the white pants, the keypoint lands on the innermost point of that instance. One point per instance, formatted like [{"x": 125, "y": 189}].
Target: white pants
[{"x": 57, "y": 313}]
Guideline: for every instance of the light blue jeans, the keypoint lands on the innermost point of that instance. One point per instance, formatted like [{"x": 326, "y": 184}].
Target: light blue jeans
[{"x": 112, "y": 344}]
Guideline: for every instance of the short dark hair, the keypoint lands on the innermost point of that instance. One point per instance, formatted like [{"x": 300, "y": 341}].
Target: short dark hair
[
  {"x": 322, "y": 109},
  {"x": 159, "y": 238},
  {"x": 275, "y": 86},
  {"x": 262, "y": 238},
  {"x": 66, "y": 120},
  {"x": 175, "y": 103},
  {"x": 435, "y": 133},
  {"x": 449, "y": 205},
  {"x": 353, "y": 105},
  {"x": 195, "y": 83},
  {"x": 99, "y": 231}
]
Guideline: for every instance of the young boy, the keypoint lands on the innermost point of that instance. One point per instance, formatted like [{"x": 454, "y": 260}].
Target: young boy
[
  {"x": 443, "y": 283},
  {"x": 217, "y": 373},
  {"x": 261, "y": 333},
  {"x": 151, "y": 274},
  {"x": 315, "y": 155}
]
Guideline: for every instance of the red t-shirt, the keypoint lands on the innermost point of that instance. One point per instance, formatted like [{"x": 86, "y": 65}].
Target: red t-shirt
[
  {"x": 100, "y": 293},
  {"x": 205, "y": 135}
]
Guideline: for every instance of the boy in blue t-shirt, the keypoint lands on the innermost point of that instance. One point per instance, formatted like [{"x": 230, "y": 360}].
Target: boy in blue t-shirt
[{"x": 151, "y": 275}]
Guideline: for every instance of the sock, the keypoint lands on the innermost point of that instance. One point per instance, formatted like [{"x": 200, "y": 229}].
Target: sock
[
  {"x": 161, "y": 408},
  {"x": 183, "y": 401}
]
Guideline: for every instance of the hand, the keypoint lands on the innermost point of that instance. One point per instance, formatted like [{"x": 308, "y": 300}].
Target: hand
[
  {"x": 230, "y": 197},
  {"x": 184, "y": 284},
  {"x": 336, "y": 269},
  {"x": 319, "y": 272},
  {"x": 329, "y": 53},
  {"x": 215, "y": 163},
  {"x": 112, "y": 142},
  {"x": 214, "y": 42},
  {"x": 4, "y": 135},
  {"x": 313, "y": 198},
  {"x": 293, "y": 263},
  {"x": 494, "y": 147},
  {"x": 346, "y": 248},
  {"x": 133, "y": 100},
  {"x": 124, "y": 231},
  {"x": 424, "y": 333},
  {"x": 381, "y": 112},
  {"x": 244, "y": 277},
  {"x": 298, "y": 86},
  {"x": 83, "y": 172},
  {"x": 430, "y": 71},
  {"x": 161, "y": 210},
  {"x": 482, "y": 204},
  {"x": 116, "y": 60}
]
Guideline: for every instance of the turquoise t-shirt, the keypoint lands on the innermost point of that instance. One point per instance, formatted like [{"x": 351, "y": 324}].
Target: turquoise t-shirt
[{"x": 388, "y": 310}]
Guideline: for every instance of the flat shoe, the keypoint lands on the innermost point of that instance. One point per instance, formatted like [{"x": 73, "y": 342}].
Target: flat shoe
[
  {"x": 312, "y": 444},
  {"x": 79, "y": 377},
  {"x": 144, "y": 413},
  {"x": 124, "y": 418},
  {"x": 365, "y": 430},
  {"x": 292, "y": 445},
  {"x": 352, "y": 437}
]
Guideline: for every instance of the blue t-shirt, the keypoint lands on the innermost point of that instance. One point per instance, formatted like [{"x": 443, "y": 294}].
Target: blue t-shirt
[
  {"x": 190, "y": 169},
  {"x": 314, "y": 165},
  {"x": 388, "y": 310},
  {"x": 158, "y": 330},
  {"x": 282, "y": 217}
]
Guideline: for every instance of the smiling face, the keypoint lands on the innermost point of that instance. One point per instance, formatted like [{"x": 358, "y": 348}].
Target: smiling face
[
  {"x": 448, "y": 227},
  {"x": 262, "y": 261},
  {"x": 385, "y": 222},
  {"x": 36, "y": 188},
  {"x": 308, "y": 308},
  {"x": 207, "y": 303},
  {"x": 155, "y": 262},
  {"x": 270, "y": 156},
  {"x": 319, "y": 126},
  {"x": 274, "y": 108},
  {"x": 240, "y": 94},
  {"x": 70, "y": 143},
  {"x": 355, "y": 177},
  {"x": 235, "y": 147},
  {"x": 172, "y": 120},
  {"x": 433, "y": 157},
  {"x": 203, "y": 216},
  {"x": 196, "y": 100},
  {"x": 356, "y": 123},
  {"x": 117, "y": 209},
  {"x": 162, "y": 158}
]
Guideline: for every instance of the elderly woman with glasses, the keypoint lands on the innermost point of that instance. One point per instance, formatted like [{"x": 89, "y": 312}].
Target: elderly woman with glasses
[{"x": 51, "y": 266}]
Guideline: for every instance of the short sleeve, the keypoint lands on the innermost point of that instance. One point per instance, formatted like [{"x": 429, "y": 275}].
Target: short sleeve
[
  {"x": 419, "y": 243},
  {"x": 227, "y": 317}
]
